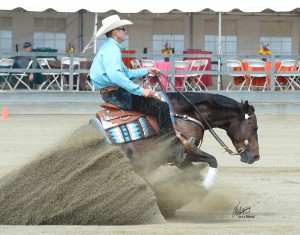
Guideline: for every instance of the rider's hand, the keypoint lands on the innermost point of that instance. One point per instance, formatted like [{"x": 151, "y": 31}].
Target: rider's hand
[
  {"x": 153, "y": 71},
  {"x": 148, "y": 93}
]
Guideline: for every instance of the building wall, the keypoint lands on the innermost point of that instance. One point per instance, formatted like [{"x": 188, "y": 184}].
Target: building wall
[{"x": 248, "y": 28}]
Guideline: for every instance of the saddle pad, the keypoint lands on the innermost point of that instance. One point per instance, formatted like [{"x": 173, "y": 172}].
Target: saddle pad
[
  {"x": 135, "y": 130},
  {"x": 121, "y": 126},
  {"x": 115, "y": 117}
]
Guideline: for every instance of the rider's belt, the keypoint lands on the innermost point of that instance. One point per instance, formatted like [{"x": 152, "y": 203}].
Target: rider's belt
[{"x": 104, "y": 92}]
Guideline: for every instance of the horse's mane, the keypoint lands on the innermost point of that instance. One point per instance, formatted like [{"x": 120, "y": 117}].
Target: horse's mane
[{"x": 214, "y": 100}]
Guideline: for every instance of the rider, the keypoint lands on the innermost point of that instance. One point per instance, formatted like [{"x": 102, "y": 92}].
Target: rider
[{"x": 114, "y": 79}]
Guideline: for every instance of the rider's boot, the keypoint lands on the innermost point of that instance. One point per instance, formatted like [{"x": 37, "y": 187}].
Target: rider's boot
[
  {"x": 175, "y": 146},
  {"x": 188, "y": 143}
]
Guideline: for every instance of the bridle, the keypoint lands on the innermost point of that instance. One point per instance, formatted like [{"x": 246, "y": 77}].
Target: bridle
[
  {"x": 214, "y": 134},
  {"x": 246, "y": 141}
]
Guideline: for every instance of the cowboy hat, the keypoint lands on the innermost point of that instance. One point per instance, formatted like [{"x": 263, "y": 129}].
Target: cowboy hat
[{"x": 110, "y": 23}]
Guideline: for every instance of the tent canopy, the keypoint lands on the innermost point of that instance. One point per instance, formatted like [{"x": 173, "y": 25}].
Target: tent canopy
[{"x": 154, "y": 6}]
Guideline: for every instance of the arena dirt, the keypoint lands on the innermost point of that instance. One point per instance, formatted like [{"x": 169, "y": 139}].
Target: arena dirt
[
  {"x": 270, "y": 186},
  {"x": 84, "y": 181},
  {"x": 80, "y": 181}
]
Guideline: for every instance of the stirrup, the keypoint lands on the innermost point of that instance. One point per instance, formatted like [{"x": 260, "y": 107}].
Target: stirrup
[
  {"x": 192, "y": 140},
  {"x": 188, "y": 144}
]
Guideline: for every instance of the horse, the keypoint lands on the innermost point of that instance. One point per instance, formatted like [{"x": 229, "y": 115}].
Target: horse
[
  {"x": 194, "y": 113},
  {"x": 218, "y": 111}
]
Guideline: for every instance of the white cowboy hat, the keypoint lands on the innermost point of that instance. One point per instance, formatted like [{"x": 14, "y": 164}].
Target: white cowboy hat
[{"x": 110, "y": 23}]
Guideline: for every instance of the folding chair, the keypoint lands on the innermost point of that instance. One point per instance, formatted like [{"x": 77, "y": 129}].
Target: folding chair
[
  {"x": 285, "y": 80},
  {"x": 66, "y": 64},
  {"x": 6, "y": 63},
  {"x": 89, "y": 83},
  {"x": 238, "y": 79},
  {"x": 295, "y": 80},
  {"x": 50, "y": 77},
  {"x": 21, "y": 76},
  {"x": 135, "y": 64},
  {"x": 151, "y": 79},
  {"x": 179, "y": 78},
  {"x": 193, "y": 81},
  {"x": 258, "y": 80}
]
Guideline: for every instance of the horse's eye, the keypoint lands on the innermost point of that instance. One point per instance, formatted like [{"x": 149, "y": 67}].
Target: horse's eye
[{"x": 255, "y": 128}]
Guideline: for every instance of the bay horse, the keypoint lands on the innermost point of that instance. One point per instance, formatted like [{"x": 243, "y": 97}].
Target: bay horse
[
  {"x": 236, "y": 118},
  {"x": 194, "y": 113}
]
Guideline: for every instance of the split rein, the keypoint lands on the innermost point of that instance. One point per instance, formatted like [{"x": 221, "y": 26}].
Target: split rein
[{"x": 185, "y": 117}]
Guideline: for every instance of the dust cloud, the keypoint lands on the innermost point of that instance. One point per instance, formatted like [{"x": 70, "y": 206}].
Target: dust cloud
[
  {"x": 175, "y": 188},
  {"x": 81, "y": 181}
]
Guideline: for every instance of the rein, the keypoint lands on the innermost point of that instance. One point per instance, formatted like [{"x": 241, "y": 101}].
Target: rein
[{"x": 214, "y": 134}]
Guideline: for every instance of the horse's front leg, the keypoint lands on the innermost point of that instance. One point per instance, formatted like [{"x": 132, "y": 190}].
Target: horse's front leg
[{"x": 197, "y": 155}]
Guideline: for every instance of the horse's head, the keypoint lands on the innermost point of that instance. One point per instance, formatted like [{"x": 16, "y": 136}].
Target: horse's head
[{"x": 243, "y": 133}]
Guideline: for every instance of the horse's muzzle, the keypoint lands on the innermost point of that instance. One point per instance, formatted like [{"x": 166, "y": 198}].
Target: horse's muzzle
[{"x": 248, "y": 158}]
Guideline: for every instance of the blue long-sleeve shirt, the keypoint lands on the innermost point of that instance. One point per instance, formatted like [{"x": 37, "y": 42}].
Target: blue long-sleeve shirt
[{"x": 108, "y": 69}]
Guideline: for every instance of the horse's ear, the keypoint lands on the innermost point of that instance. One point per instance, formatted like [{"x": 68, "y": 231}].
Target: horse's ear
[
  {"x": 249, "y": 109},
  {"x": 245, "y": 106}
]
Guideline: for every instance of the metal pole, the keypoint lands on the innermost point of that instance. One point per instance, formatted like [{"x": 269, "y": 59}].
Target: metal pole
[
  {"x": 220, "y": 51},
  {"x": 191, "y": 30},
  {"x": 71, "y": 72},
  {"x": 80, "y": 30},
  {"x": 95, "y": 31}
]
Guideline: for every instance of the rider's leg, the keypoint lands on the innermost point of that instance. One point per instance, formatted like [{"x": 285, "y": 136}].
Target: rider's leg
[
  {"x": 159, "y": 109},
  {"x": 167, "y": 136},
  {"x": 152, "y": 106}
]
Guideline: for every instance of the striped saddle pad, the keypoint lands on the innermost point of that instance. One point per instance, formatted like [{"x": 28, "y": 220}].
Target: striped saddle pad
[{"x": 121, "y": 126}]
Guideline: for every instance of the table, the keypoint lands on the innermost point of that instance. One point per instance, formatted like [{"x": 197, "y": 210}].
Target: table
[
  {"x": 56, "y": 64},
  {"x": 260, "y": 82},
  {"x": 166, "y": 66},
  {"x": 163, "y": 67}
]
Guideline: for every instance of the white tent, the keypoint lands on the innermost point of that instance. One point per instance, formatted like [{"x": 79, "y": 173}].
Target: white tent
[{"x": 154, "y": 6}]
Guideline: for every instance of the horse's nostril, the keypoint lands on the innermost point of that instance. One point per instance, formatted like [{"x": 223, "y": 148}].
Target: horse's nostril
[{"x": 256, "y": 157}]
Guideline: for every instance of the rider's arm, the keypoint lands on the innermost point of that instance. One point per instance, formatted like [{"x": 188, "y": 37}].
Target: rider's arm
[{"x": 116, "y": 72}]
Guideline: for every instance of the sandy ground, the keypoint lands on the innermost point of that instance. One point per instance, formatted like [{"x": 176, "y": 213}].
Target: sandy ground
[{"x": 269, "y": 189}]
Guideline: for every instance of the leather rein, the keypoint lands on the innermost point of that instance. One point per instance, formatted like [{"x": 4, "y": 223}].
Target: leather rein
[{"x": 185, "y": 117}]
